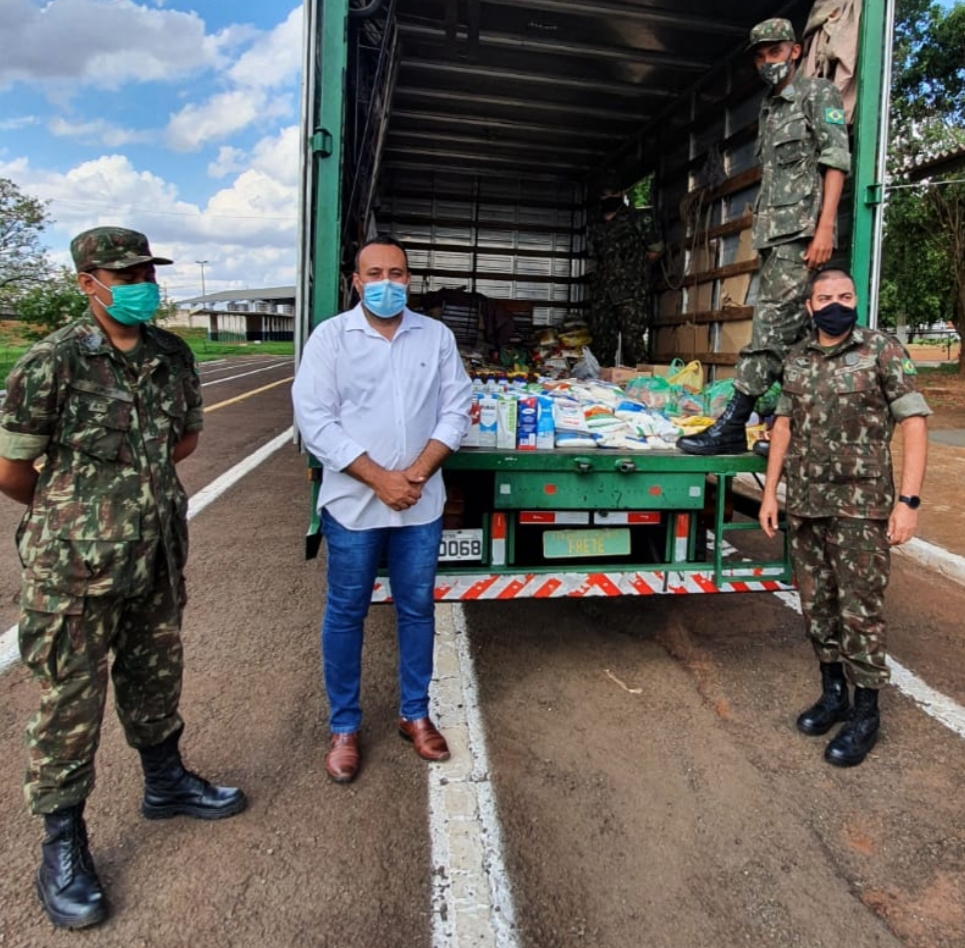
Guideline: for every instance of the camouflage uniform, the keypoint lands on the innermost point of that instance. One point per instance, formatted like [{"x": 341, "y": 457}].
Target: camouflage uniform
[
  {"x": 104, "y": 541},
  {"x": 620, "y": 289},
  {"x": 802, "y": 130},
  {"x": 843, "y": 405}
]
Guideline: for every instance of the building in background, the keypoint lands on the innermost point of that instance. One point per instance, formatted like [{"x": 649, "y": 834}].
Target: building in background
[{"x": 252, "y": 315}]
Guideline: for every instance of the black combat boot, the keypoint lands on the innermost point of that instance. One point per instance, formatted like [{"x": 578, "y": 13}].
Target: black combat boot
[
  {"x": 67, "y": 882},
  {"x": 727, "y": 435},
  {"x": 831, "y": 707},
  {"x": 170, "y": 789},
  {"x": 855, "y": 740}
]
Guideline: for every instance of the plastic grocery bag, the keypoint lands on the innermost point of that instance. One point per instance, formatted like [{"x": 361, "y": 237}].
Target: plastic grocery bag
[
  {"x": 689, "y": 403},
  {"x": 717, "y": 396},
  {"x": 654, "y": 392},
  {"x": 691, "y": 376}
]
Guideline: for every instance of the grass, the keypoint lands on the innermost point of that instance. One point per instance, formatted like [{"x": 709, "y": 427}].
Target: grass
[{"x": 13, "y": 345}]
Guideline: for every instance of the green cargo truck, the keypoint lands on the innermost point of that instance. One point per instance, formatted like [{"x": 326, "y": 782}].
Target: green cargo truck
[{"x": 479, "y": 132}]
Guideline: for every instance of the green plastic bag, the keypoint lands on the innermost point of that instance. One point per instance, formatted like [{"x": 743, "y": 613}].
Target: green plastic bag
[
  {"x": 653, "y": 391},
  {"x": 717, "y": 396}
]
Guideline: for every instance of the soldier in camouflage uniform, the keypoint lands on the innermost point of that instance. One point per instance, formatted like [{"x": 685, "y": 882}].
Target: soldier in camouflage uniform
[
  {"x": 802, "y": 146},
  {"x": 844, "y": 391},
  {"x": 623, "y": 245},
  {"x": 107, "y": 406}
]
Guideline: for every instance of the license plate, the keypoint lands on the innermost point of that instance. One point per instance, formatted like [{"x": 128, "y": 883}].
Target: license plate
[
  {"x": 460, "y": 545},
  {"x": 570, "y": 544}
]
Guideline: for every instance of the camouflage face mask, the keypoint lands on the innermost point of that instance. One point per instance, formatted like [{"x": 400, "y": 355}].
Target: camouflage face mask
[{"x": 774, "y": 73}]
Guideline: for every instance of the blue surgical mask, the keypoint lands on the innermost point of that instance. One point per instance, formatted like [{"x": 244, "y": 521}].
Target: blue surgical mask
[
  {"x": 385, "y": 299},
  {"x": 133, "y": 303}
]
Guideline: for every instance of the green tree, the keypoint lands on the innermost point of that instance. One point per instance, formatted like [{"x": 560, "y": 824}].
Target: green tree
[
  {"x": 924, "y": 251},
  {"x": 53, "y": 303},
  {"x": 22, "y": 257}
]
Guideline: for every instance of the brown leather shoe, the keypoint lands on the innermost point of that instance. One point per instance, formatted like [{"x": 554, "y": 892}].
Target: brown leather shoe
[
  {"x": 428, "y": 742},
  {"x": 343, "y": 757}
]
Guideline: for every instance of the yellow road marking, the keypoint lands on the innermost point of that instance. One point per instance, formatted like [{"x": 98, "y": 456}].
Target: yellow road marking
[{"x": 241, "y": 398}]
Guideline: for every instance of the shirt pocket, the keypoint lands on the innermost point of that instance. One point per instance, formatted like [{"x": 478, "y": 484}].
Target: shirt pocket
[
  {"x": 81, "y": 548},
  {"x": 96, "y": 421},
  {"x": 858, "y": 401},
  {"x": 794, "y": 164}
]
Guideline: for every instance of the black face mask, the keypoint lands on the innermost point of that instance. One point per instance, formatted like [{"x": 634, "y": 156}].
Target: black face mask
[
  {"x": 835, "y": 320},
  {"x": 611, "y": 204}
]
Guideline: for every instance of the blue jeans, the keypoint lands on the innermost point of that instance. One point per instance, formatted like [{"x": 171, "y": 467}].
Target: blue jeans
[{"x": 353, "y": 561}]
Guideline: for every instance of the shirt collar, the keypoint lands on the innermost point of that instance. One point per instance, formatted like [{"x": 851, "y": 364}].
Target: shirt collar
[
  {"x": 857, "y": 338},
  {"x": 358, "y": 322}
]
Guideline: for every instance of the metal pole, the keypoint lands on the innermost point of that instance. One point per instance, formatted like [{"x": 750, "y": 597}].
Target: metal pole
[{"x": 202, "y": 264}]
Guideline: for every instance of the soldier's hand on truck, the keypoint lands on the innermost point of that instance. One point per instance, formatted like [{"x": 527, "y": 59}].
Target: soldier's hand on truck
[
  {"x": 821, "y": 248},
  {"x": 768, "y": 516},
  {"x": 395, "y": 490}
]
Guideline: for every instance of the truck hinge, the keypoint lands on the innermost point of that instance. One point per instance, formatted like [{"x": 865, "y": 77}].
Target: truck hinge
[
  {"x": 322, "y": 143},
  {"x": 875, "y": 195}
]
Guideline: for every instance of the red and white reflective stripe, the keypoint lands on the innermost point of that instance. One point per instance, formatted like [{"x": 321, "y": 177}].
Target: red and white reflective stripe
[
  {"x": 681, "y": 536},
  {"x": 569, "y": 517},
  {"x": 497, "y": 554},
  {"x": 627, "y": 517},
  {"x": 583, "y": 585}
]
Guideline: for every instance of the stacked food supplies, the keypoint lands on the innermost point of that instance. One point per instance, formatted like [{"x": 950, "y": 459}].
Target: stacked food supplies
[{"x": 531, "y": 416}]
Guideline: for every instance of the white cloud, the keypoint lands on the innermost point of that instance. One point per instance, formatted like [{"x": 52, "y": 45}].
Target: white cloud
[
  {"x": 21, "y": 121},
  {"x": 275, "y": 59},
  {"x": 223, "y": 115},
  {"x": 77, "y": 43},
  {"x": 101, "y": 132},
  {"x": 247, "y": 230},
  {"x": 229, "y": 161}
]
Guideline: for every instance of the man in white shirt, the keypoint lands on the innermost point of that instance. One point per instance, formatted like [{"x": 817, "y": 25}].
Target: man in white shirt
[{"x": 381, "y": 399}]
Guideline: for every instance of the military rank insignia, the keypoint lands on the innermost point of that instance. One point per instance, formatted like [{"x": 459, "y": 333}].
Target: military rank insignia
[
  {"x": 834, "y": 116},
  {"x": 908, "y": 367}
]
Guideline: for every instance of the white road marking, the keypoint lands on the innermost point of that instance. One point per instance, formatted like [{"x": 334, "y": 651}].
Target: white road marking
[
  {"x": 232, "y": 378},
  {"x": 9, "y": 650},
  {"x": 932, "y": 702},
  {"x": 472, "y": 900}
]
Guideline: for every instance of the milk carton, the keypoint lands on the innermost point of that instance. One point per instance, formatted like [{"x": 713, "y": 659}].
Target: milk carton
[
  {"x": 472, "y": 432},
  {"x": 488, "y": 421},
  {"x": 506, "y": 421},
  {"x": 527, "y": 422},
  {"x": 545, "y": 435}
]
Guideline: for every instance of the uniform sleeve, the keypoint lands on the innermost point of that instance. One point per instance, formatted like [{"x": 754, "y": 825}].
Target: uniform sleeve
[
  {"x": 826, "y": 111},
  {"x": 28, "y": 415},
  {"x": 898, "y": 376},
  {"x": 194, "y": 418}
]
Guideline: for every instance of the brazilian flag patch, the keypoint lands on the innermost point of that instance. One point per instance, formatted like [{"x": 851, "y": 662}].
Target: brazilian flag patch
[
  {"x": 834, "y": 116},
  {"x": 908, "y": 367}
]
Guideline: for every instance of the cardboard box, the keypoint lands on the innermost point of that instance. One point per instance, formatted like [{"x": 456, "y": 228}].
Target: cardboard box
[{"x": 619, "y": 374}]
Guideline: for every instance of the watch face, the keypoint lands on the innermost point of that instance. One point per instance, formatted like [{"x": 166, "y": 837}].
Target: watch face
[{"x": 913, "y": 502}]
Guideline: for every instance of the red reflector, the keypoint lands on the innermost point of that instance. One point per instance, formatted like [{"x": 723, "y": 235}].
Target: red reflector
[
  {"x": 549, "y": 489},
  {"x": 656, "y": 490}
]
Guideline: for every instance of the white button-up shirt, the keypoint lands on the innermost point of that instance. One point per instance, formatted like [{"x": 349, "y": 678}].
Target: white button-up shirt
[{"x": 357, "y": 392}]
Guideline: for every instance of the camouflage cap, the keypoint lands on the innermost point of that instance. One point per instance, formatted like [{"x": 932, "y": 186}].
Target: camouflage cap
[
  {"x": 775, "y": 30},
  {"x": 111, "y": 248}
]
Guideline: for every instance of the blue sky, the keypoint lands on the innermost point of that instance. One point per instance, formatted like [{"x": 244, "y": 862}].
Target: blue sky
[{"x": 176, "y": 118}]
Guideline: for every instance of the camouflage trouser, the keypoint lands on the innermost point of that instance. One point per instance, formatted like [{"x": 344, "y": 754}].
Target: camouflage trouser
[
  {"x": 780, "y": 317},
  {"x": 66, "y": 647},
  {"x": 842, "y": 567},
  {"x": 607, "y": 321}
]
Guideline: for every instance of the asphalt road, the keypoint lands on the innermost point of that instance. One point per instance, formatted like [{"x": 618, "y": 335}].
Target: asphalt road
[{"x": 650, "y": 787}]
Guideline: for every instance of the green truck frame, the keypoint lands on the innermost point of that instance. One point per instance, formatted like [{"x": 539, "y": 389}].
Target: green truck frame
[{"x": 476, "y": 130}]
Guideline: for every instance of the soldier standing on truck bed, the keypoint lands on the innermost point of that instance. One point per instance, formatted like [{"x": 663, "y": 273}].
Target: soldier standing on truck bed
[
  {"x": 109, "y": 404},
  {"x": 623, "y": 244},
  {"x": 804, "y": 155}
]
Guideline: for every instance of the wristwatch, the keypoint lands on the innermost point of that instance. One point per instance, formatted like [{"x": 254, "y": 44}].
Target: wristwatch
[{"x": 914, "y": 501}]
